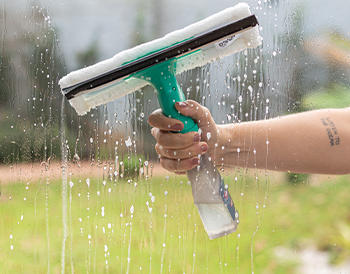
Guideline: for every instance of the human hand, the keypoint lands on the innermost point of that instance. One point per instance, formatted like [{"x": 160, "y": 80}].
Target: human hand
[{"x": 179, "y": 152}]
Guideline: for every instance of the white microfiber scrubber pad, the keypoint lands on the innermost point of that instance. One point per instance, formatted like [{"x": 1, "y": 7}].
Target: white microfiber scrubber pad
[{"x": 247, "y": 39}]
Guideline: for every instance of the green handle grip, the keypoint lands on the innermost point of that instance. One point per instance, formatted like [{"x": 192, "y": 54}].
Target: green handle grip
[{"x": 162, "y": 77}]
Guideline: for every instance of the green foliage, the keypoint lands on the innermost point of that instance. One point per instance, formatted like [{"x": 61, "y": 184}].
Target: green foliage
[
  {"x": 335, "y": 96},
  {"x": 22, "y": 142},
  {"x": 297, "y": 178},
  {"x": 6, "y": 80},
  {"x": 131, "y": 166},
  {"x": 295, "y": 217},
  {"x": 88, "y": 56},
  {"x": 30, "y": 99},
  {"x": 339, "y": 39},
  {"x": 340, "y": 250}
]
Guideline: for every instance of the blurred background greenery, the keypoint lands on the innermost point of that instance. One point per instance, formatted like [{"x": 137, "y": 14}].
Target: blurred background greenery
[{"x": 122, "y": 229}]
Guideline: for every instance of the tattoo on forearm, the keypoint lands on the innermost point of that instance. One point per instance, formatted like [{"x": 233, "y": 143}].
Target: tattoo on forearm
[{"x": 331, "y": 131}]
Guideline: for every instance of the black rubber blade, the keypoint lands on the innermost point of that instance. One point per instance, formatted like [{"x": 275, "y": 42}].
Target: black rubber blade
[{"x": 200, "y": 41}]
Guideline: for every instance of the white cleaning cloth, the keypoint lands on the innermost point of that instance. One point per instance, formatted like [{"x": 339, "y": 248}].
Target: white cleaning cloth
[{"x": 247, "y": 39}]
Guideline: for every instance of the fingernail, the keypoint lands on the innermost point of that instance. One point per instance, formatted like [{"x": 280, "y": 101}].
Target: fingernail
[
  {"x": 177, "y": 127},
  {"x": 204, "y": 148},
  {"x": 182, "y": 104},
  {"x": 195, "y": 161},
  {"x": 196, "y": 138}
]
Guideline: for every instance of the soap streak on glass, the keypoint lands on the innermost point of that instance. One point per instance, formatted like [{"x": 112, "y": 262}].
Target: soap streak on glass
[
  {"x": 130, "y": 238},
  {"x": 164, "y": 235},
  {"x": 64, "y": 184}
]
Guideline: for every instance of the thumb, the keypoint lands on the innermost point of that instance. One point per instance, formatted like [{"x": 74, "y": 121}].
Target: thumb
[{"x": 201, "y": 115}]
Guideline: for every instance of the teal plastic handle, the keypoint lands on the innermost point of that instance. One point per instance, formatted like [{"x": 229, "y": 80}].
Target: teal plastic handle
[{"x": 162, "y": 77}]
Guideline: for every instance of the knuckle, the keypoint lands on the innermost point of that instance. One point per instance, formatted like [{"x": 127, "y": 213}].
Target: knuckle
[
  {"x": 163, "y": 163},
  {"x": 206, "y": 110},
  {"x": 164, "y": 152},
  {"x": 162, "y": 139},
  {"x": 173, "y": 166},
  {"x": 153, "y": 119},
  {"x": 168, "y": 153},
  {"x": 168, "y": 164},
  {"x": 150, "y": 120},
  {"x": 157, "y": 147}
]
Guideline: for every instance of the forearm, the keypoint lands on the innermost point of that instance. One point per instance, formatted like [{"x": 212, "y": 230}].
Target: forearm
[{"x": 310, "y": 142}]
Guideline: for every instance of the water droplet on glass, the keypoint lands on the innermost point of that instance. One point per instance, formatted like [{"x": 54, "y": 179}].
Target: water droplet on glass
[{"x": 128, "y": 142}]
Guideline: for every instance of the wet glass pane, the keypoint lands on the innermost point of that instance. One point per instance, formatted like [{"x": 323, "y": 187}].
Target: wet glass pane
[{"x": 88, "y": 194}]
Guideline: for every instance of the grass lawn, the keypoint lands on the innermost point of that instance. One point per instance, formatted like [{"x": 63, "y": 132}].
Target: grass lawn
[{"x": 119, "y": 228}]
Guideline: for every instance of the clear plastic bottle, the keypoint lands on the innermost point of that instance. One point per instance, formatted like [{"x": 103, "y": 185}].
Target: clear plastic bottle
[{"x": 214, "y": 203}]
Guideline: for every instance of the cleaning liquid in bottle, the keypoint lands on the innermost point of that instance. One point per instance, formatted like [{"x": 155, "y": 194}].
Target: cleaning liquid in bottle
[{"x": 214, "y": 203}]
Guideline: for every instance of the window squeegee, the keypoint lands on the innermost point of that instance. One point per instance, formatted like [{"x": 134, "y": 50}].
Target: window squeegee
[{"x": 156, "y": 63}]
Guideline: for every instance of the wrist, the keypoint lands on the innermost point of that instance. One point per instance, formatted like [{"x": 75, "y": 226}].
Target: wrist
[{"x": 226, "y": 145}]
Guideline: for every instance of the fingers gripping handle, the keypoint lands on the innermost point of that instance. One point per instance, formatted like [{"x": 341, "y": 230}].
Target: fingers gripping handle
[{"x": 162, "y": 78}]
